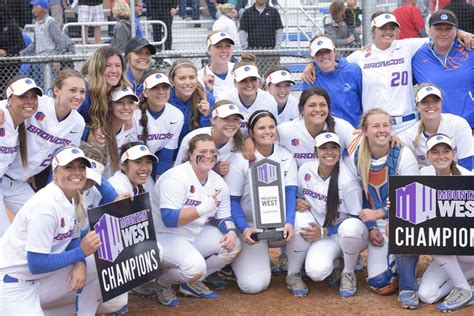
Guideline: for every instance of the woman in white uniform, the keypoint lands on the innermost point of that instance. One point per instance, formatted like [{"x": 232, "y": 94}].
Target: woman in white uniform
[
  {"x": 252, "y": 266},
  {"x": 432, "y": 121},
  {"x": 42, "y": 255},
  {"x": 327, "y": 229},
  {"x": 446, "y": 275},
  {"x": 193, "y": 223}
]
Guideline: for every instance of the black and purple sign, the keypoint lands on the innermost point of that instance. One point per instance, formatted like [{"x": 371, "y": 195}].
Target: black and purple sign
[
  {"x": 129, "y": 254},
  {"x": 431, "y": 215}
]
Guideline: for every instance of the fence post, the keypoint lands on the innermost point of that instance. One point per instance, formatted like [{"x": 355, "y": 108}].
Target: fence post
[
  {"x": 132, "y": 17},
  {"x": 47, "y": 76},
  {"x": 369, "y": 7}
]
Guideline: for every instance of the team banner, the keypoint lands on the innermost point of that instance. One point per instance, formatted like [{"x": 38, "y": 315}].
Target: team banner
[
  {"x": 129, "y": 254},
  {"x": 431, "y": 215}
]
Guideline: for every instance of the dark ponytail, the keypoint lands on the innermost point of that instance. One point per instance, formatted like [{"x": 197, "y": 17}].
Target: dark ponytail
[{"x": 332, "y": 203}]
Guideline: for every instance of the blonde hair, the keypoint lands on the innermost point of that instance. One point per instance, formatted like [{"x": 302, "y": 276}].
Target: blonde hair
[
  {"x": 80, "y": 212},
  {"x": 226, "y": 8},
  {"x": 364, "y": 155},
  {"x": 121, "y": 9},
  {"x": 421, "y": 126}
]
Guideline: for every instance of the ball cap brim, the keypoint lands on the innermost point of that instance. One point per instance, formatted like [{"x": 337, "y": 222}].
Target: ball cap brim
[
  {"x": 137, "y": 152},
  {"x": 226, "y": 110},
  {"x": 68, "y": 154},
  {"x": 21, "y": 86},
  {"x": 119, "y": 93},
  {"x": 246, "y": 71},
  {"x": 438, "y": 139},
  {"x": 426, "y": 91},
  {"x": 321, "y": 43}
]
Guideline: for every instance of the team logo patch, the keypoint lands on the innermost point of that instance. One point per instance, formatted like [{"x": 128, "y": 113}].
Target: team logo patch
[
  {"x": 75, "y": 151},
  {"x": 443, "y": 17},
  {"x": 93, "y": 165},
  {"x": 29, "y": 81},
  {"x": 388, "y": 16},
  {"x": 142, "y": 148},
  {"x": 319, "y": 43},
  {"x": 125, "y": 89},
  {"x": 231, "y": 107},
  {"x": 62, "y": 222},
  {"x": 284, "y": 73},
  {"x": 295, "y": 141},
  {"x": 246, "y": 68},
  {"x": 429, "y": 89},
  {"x": 192, "y": 189},
  {"x": 328, "y": 135},
  {"x": 439, "y": 137},
  {"x": 39, "y": 116},
  {"x": 222, "y": 34},
  {"x": 266, "y": 173},
  {"x": 307, "y": 177},
  {"x": 158, "y": 76}
]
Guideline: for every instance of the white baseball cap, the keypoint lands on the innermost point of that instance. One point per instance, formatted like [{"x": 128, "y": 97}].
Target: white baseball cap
[
  {"x": 137, "y": 152},
  {"x": 438, "y": 139},
  {"x": 155, "y": 79},
  {"x": 321, "y": 43},
  {"x": 246, "y": 71},
  {"x": 217, "y": 37},
  {"x": 68, "y": 154},
  {"x": 21, "y": 86},
  {"x": 119, "y": 93},
  {"x": 383, "y": 19},
  {"x": 226, "y": 110},
  {"x": 279, "y": 76},
  {"x": 324, "y": 138},
  {"x": 426, "y": 91},
  {"x": 94, "y": 172}
]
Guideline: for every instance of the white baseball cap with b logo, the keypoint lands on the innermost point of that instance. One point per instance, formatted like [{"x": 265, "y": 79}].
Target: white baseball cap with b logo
[
  {"x": 246, "y": 71},
  {"x": 438, "y": 139},
  {"x": 325, "y": 138},
  {"x": 321, "y": 43},
  {"x": 68, "y": 154},
  {"x": 155, "y": 79},
  {"x": 383, "y": 19},
  {"x": 21, "y": 86}
]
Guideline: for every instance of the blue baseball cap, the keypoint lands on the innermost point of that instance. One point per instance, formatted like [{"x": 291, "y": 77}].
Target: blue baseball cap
[{"x": 42, "y": 3}]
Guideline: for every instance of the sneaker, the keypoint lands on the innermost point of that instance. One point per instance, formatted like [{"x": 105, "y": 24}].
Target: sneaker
[
  {"x": 335, "y": 277},
  {"x": 167, "y": 297},
  {"x": 145, "y": 290},
  {"x": 408, "y": 299},
  {"x": 360, "y": 264},
  {"x": 216, "y": 281},
  {"x": 456, "y": 299},
  {"x": 348, "y": 285},
  {"x": 226, "y": 273},
  {"x": 295, "y": 283},
  {"x": 283, "y": 263},
  {"x": 197, "y": 289}
]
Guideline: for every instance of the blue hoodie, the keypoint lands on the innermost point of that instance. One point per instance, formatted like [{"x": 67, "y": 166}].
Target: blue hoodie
[
  {"x": 344, "y": 86},
  {"x": 454, "y": 75}
]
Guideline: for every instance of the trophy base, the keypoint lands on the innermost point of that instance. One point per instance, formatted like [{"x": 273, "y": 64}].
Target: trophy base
[{"x": 266, "y": 235}]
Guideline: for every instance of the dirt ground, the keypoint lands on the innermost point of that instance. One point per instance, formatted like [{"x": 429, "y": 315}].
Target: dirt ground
[{"x": 276, "y": 300}]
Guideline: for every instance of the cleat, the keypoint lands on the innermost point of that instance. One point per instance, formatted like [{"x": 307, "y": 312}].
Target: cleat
[
  {"x": 456, "y": 299},
  {"x": 283, "y": 263},
  {"x": 227, "y": 274},
  {"x": 408, "y": 299},
  {"x": 348, "y": 285},
  {"x": 360, "y": 264},
  {"x": 295, "y": 283},
  {"x": 167, "y": 297},
  {"x": 335, "y": 277},
  {"x": 216, "y": 281},
  {"x": 145, "y": 290},
  {"x": 197, "y": 289}
]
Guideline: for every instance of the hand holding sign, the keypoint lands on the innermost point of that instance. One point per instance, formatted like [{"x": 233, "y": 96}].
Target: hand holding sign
[{"x": 90, "y": 243}]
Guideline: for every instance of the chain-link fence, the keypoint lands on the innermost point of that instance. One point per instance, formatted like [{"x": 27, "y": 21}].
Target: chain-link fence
[{"x": 179, "y": 28}]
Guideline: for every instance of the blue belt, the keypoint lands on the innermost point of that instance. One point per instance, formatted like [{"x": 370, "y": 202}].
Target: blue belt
[
  {"x": 10, "y": 279},
  {"x": 401, "y": 119}
]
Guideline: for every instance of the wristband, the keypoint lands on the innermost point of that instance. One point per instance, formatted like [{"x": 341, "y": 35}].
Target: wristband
[
  {"x": 373, "y": 228},
  {"x": 206, "y": 206}
]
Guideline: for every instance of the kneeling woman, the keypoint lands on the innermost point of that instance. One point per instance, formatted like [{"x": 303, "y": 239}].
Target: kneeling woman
[
  {"x": 42, "y": 250},
  {"x": 326, "y": 232},
  {"x": 191, "y": 205},
  {"x": 446, "y": 274},
  {"x": 252, "y": 266}
]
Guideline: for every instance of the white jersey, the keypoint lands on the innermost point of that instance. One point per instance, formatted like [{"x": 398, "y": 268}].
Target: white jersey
[
  {"x": 238, "y": 180},
  {"x": 9, "y": 145},
  {"x": 296, "y": 138},
  {"x": 455, "y": 127},
  {"x": 44, "y": 135},
  {"x": 291, "y": 111},
  {"x": 431, "y": 171},
  {"x": 387, "y": 76},
  {"x": 187, "y": 191},
  {"x": 224, "y": 151},
  {"x": 121, "y": 183},
  {"x": 45, "y": 224},
  {"x": 221, "y": 86},
  {"x": 314, "y": 189},
  {"x": 163, "y": 132},
  {"x": 264, "y": 101}
]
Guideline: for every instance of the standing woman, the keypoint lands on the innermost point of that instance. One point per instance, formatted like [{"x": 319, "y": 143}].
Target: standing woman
[
  {"x": 189, "y": 96},
  {"x": 123, "y": 29},
  {"x": 138, "y": 53},
  {"x": 217, "y": 76},
  {"x": 374, "y": 160},
  {"x": 56, "y": 123},
  {"x": 315, "y": 109},
  {"x": 325, "y": 231},
  {"x": 446, "y": 275},
  {"x": 227, "y": 22},
  {"x": 247, "y": 94},
  {"x": 252, "y": 266},
  {"x": 42, "y": 250},
  {"x": 225, "y": 132},
  {"x": 157, "y": 123},
  {"x": 193, "y": 223},
  {"x": 21, "y": 104},
  {"x": 278, "y": 83},
  {"x": 104, "y": 71},
  {"x": 432, "y": 121}
]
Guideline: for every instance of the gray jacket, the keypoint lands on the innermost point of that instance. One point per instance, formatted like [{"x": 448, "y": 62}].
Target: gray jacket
[{"x": 122, "y": 34}]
